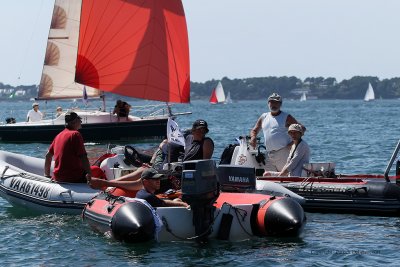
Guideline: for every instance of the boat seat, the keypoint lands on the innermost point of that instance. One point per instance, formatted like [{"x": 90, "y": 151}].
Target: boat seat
[{"x": 115, "y": 167}]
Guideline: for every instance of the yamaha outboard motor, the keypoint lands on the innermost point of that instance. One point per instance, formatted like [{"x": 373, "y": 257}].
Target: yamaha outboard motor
[
  {"x": 233, "y": 178},
  {"x": 200, "y": 190}
]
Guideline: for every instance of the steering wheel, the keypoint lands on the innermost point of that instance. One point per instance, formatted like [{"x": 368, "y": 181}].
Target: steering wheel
[{"x": 132, "y": 157}]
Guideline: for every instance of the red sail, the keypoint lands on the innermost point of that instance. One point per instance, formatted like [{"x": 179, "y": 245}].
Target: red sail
[
  {"x": 136, "y": 48},
  {"x": 213, "y": 98}
]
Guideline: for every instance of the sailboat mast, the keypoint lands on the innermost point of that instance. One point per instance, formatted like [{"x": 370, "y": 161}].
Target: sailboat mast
[{"x": 103, "y": 97}]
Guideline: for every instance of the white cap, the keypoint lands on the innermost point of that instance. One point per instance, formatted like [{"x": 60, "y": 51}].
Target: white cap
[
  {"x": 275, "y": 97},
  {"x": 296, "y": 127}
]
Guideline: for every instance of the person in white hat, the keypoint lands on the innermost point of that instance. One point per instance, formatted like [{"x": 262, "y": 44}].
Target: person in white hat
[
  {"x": 34, "y": 114},
  {"x": 299, "y": 153},
  {"x": 277, "y": 140}
]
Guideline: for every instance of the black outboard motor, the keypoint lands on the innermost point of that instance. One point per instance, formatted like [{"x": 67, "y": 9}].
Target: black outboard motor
[
  {"x": 200, "y": 190},
  {"x": 10, "y": 120},
  {"x": 398, "y": 167},
  {"x": 233, "y": 178}
]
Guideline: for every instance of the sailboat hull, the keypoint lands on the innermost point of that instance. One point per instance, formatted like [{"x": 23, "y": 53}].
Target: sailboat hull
[{"x": 136, "y": 131}]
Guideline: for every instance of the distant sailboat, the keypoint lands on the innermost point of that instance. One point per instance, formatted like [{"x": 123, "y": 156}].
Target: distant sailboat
[
  {"x": 303, "y": 97},
  {"x": 228, "y": 99},
  {"x": 218, "y": 95},
  {"x": 369, "y": 95}
]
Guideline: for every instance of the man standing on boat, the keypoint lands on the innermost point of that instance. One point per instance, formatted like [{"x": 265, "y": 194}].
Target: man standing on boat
[
  {"x": 34, "y": 114},
  {"x": 70, "y": 159},
  {"x": 275, "y": 128}
]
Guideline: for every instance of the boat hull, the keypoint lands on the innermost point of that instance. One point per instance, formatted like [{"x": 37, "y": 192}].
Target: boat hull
[
  {"x": 138, "y": 130},
  {"x": 356, "y": 195},
  {"x": 36, "y": 193},
  {"x": 363, "y": 194},
  {"x": 249, "y": 216}
]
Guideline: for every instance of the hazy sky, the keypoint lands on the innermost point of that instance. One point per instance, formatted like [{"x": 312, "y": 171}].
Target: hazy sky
[{"x": 242, "y": 38}]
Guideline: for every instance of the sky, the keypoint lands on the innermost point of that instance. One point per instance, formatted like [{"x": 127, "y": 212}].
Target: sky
[{"x": 241, "y": 38}]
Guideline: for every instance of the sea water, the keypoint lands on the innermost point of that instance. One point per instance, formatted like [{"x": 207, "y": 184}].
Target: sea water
[{"x": 358, "y": 136}]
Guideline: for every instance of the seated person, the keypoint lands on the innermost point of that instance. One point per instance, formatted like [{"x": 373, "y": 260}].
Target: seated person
[
  {"x": 151, "y": 183},
  {"x": 122, "y": 109},
  {"x": 197, "y": 145},
  {"x": 130, "y": 180},
  {"x": 58, "y": 111},
  {"x": 299, "y": 154}
]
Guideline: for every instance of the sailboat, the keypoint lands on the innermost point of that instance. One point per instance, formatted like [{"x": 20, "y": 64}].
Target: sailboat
[
  {"x": 369, "y": 94},
  {"x": 303, "y": 97},
  {"x": 130, "y": 48},
  {"x": 228, "y": 99},
  {"x": 218, "y": 95}
]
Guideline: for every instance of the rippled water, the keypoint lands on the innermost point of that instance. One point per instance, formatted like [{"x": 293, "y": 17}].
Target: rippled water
[{"x": 359, "y": 137}]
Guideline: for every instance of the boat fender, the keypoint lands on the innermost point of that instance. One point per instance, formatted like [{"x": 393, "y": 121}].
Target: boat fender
[{"x": 133, "y": 222}]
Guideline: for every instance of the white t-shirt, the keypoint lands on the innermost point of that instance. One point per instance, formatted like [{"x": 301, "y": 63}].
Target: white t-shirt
[{"x": 34, "y": 115}]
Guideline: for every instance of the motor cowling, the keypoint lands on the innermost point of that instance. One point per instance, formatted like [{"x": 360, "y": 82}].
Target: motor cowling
[
  {"x": 233, "y": 178},
  {"x": 200, "y": 190}
]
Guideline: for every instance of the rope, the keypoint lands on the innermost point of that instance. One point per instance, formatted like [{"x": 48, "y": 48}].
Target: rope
[{"x": 164, "y": 220}]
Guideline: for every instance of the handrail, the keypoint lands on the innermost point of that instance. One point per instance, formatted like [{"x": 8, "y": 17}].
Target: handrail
[{"x": 389, "y": 166}]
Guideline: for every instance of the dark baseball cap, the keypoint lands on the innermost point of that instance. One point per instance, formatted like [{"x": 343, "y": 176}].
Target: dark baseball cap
[
  {"x": 151, "y": 173},
  {"x": 200, "y": 124},
  {"x": 70, "y": 116}
]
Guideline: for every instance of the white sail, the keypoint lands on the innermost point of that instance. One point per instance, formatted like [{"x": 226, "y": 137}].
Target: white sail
[
  {"x": 369, "y": 94},
  {"x": 58, "y": 77},
  {"x": 219, "y": 92},
  {"x": 228, "y": 99},
  {"x": 303, "y": 97}
]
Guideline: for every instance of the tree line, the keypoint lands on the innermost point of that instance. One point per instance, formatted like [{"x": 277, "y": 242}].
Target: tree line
[
  {"x": 260, "y": 88},
  {"x": 292, "y": 87}
]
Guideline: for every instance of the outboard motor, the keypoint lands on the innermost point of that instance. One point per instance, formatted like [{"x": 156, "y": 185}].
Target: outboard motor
[
  {"x": 233, "y": 178},
  {"x": 398, "y": 167},
  {"x": 200, "y": 190},
  {"x": 10, "y": 120}
]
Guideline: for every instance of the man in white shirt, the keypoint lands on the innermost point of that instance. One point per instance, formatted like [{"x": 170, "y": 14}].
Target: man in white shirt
[
  {"x": 274, "y": 125},
  {"x": 34, "y": 114}
]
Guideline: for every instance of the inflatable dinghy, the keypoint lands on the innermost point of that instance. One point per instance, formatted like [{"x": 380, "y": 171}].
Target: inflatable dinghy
[
  {"x": 22, "y": 185},
  {"x": 212, "y": 214}
]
